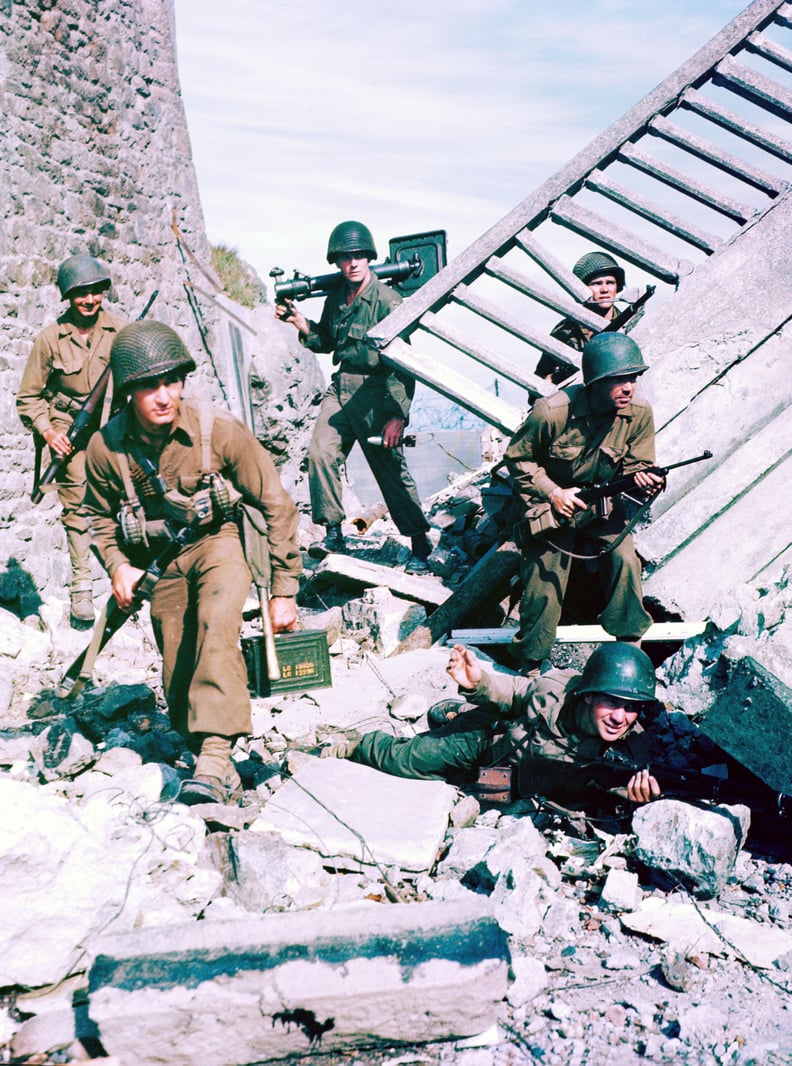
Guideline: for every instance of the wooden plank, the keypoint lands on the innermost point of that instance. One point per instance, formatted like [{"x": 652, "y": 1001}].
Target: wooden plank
[
  {"x": 593, "y": 634},
  {"x": 684, "y": 184},
  {"x": 557, "y": 270},
  {"x": 769, "y": 50},
  {"x": 710, "y": 153},
  {"x": 511, "y": 371},
  {"x": 629, "y": 246},
  {"x": 768, "y": 94},
  {"x": 509, "y": 275},
  {"x": 601, "y": 183},
  {"x": 740, "y": 127},
  {"x": 455, "y": 386},
  {"x": 601, "y": 150}
]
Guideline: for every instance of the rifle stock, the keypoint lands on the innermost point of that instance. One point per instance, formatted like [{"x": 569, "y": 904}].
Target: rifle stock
[
  {"x": 600, "y": 775},
  {"x": 81, "y": 421},
  {"x": 632, "y": 309}
]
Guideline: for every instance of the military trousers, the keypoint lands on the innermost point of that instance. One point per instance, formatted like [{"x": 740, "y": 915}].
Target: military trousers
[
  {"x": 455, "y": 750},
  {"x": 356, "y": 407},
  {"x": 71, "y": 492},
  {"x": 196, "y": 613},
  {"x": 544, "y": 572}
]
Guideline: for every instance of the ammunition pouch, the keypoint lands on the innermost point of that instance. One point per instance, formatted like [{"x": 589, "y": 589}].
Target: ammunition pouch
[
  {"x": 204, "y": 510},
  {"x": 494, "y": 784}
]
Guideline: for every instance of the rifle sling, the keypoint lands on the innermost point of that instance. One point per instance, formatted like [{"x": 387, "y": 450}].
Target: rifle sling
[{"x": 611, "y": 547}]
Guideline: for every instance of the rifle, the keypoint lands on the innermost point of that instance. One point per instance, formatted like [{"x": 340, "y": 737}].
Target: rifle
[
  {"x": 81, "y": 421},
  {"x": 602, "y": 775},
  {"x": 629, "y": 311},
  {"x": 302, "y": 286},
  {"x": 543, "y": 521},
  {"x": 113, "y": 617}
]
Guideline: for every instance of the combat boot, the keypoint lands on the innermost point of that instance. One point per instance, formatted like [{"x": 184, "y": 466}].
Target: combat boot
[
  {"x": 215, "y": 779},
  {"x": 81, "y": 609},
  {"x": 420, "y": 551},
  {"x": 333, "y": 543}
]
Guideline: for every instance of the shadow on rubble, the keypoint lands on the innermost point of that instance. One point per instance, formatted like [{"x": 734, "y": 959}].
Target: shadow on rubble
[{"x": 18, "y": 592}]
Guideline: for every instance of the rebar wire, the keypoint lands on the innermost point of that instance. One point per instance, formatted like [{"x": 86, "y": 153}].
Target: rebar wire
[{"x": 195, "y": 306}]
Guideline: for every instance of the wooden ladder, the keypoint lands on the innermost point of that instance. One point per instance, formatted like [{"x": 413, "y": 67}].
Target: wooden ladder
[{"x": 677, "y": 178}]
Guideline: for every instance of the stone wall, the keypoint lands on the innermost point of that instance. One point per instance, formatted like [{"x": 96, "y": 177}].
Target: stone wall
[{"x": 95, "y": 157}]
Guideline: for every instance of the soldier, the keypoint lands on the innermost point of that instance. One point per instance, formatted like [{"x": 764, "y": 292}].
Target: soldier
[
  {"x": 67, "y": 360},
  {"x": 605, "y": 279},
  {"x": 583, "y": 435},
  {"x": 561, "y": 716},
  {"x": 163, "y": 463},
  {"x": 366, "y": 398}
]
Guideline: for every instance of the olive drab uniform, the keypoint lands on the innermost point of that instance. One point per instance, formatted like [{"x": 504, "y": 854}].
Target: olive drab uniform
[
  {"x": 505, "y": 719},
  {"x": 565, "y": 443},
  {"x": 196, "y": 607},
  {"x": 61, "y": 371},
  {"x": 364, "y": 394}
]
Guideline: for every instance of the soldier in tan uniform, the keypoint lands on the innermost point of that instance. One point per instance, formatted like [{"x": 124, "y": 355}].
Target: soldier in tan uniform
[
  {"x": 164, "y": 463},
  {"x": 558, "y": 718},
  {"x": 580, "y": 436},
  {"x": 67, "y": 360}
]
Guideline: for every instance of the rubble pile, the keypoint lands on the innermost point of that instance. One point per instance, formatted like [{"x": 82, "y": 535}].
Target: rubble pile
[{"x": 338, "y": 908}]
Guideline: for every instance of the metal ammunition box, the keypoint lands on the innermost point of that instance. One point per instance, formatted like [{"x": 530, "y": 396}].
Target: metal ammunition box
[{"x": 303, "y": 659}]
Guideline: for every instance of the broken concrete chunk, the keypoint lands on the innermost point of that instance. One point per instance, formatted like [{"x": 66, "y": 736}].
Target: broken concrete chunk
[
  {"x": 355, "y": 816},
  {"x": 342, "y": 570},
  {"x": 297, "y": 984},
  {"x": 621, "y": 891},
  {"x": 750, "y": 714},
  {"x": 694, "y": 846},
  {"x": 381, "y": 619}
]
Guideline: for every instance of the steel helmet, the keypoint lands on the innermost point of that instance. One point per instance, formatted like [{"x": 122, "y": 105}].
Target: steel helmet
[
  {"x": 611, "y": 355},
  {"x": 621, "y": 670},
  {"x": 593, "y": 264},
  {"x": 79, "y": 271},
  {"x": 350, "y": 237},
  {"x": 145, "y": 350}
]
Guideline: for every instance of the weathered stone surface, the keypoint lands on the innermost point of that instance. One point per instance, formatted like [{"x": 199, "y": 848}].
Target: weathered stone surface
[
  {"x": 695, "y": 847},
  {"x": 353, "y": 814},
  {"x": 381, "y": 619},
  {"x": 344, "y": 570},
  {"x": 295, "y": 984},
  {"x": 621, "y": 891},
  {"x": 752, "y": 711}
]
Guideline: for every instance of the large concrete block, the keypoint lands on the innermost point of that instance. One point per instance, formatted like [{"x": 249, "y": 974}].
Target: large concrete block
[
  {"x": 752, "y": 720},
  {"x": 232, "y": 992}
]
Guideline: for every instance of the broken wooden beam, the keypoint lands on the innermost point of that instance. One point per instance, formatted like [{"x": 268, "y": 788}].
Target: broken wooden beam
[{"x": 358, "y": 573}]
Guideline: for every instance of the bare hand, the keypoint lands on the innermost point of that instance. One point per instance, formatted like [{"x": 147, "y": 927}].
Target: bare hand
[
  {"x": 642, "y": 787},
  {"x": 283, "y": 613},
  {"x": 125, "y": 581},
  {"x": 464, "y": 667},
  {"x": 392, "y": 433},
  {"x": 285, "y": 311},
  {"x": 566, "y": 501},
  {"x": 58, "y": 442},
  {"x": 652, "y": 483}
]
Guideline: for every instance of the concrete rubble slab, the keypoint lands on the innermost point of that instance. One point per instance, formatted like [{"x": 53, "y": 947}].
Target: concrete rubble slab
[
  {"x": 344, "y": 570},
  {"x": 223, "y": 993},
  {"x": 747, "y": 719},
  {"x": 356, "y": 816},
  {"x": 686, "y": 926}
]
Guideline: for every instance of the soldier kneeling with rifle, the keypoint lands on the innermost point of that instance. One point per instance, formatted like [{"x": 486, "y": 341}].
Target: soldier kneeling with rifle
[
  {"x": 563, "y": 735},
  {"x": 167, "y": 471}
]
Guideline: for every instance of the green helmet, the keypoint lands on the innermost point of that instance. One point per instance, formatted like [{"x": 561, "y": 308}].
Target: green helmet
[
  {"x": 621, "y": 670},
  {"x": 146, "y": 350},
  {"x": 594, "y": 264},
  {"x": 79, "y": 271},
  {"x": 350, "y": 237},
  {"x": 611, "y": 355}
]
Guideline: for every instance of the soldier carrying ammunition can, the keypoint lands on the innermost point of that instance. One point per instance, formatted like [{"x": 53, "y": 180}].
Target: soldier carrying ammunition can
[
  {"x": 66, "y": 362},
  {"x": 163, "y": 465}
]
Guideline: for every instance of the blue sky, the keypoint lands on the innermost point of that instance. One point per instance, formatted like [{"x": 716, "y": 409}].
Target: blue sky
[{"x": 410, "y": 116}]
